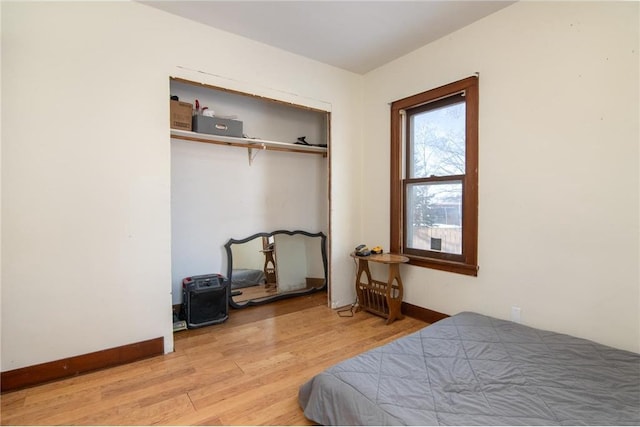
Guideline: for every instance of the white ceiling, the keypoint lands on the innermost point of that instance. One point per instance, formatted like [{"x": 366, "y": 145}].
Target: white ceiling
[{"x": 358, "y": 36}]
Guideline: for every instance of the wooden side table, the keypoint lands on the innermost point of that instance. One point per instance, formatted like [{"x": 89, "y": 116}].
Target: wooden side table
[{"x": 380, "y": 298}]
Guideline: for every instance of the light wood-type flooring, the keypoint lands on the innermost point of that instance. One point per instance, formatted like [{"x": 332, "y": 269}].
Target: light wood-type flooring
[
  {"x": 260, "y": 291},
  {"x": 245, "y": 371}
]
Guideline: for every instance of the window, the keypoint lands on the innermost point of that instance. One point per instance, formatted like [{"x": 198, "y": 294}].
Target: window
[{"x": 434, "y": 177}]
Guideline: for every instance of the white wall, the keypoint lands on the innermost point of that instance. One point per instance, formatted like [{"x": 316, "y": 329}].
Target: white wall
[
  {"x": 86, "y": 165},
  {"x": 216, "y": 195},
  {"x": 558, "y": 173}
]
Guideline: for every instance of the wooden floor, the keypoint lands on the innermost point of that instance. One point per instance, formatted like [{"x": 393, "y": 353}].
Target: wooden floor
[
  {"x": 255, "y": 292},
  {"x": 262, "y": 290},
  {"x": 246, "y": 371}
]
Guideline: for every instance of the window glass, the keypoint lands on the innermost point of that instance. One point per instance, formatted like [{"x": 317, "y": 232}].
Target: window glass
[
  {"x": 434, "y": 217},
  {"x": 438, "y": 141}
]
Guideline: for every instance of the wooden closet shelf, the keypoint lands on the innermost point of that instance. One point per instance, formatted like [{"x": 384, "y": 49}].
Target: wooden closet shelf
[{"x": 247, "y": 142}]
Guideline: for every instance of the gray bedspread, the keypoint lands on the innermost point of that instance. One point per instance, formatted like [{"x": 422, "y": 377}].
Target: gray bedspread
[
  {"x": 471, "y": 369},
  {"x": 244, "y": 278}
]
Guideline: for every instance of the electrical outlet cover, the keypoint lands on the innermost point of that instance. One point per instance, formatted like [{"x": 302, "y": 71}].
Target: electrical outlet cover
[{"x": 516, "y": 314}]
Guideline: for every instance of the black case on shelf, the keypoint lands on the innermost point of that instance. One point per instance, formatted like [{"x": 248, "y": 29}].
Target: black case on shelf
[{"x": 205, "y": 300}]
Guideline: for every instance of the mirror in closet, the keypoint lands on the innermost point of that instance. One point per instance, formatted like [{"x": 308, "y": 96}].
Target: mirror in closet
[{"x": 266, "y": 267}]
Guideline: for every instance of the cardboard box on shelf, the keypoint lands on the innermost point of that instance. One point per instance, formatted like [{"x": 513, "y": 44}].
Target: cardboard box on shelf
[{"x": 181, "y": 113}]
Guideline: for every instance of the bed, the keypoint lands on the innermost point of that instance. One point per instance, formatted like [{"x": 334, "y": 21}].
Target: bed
[
  {"x": 471, "y": 369},
  {"x": 245, "y": 277}
]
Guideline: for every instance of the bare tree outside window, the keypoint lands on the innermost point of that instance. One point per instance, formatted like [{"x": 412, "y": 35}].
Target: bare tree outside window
[{"x": 434, "y": 217}]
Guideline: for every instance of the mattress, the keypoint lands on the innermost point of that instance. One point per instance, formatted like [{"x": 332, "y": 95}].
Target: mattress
[
  {"x": 471, "y": 369},
  {"x": 244, "y": 278}
]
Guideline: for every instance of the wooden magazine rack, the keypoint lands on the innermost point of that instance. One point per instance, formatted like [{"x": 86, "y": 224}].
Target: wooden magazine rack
[{"x": 378, "y": 297}]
